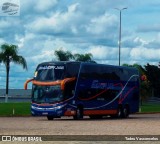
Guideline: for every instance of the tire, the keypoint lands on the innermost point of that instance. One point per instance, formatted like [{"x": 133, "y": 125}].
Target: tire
[
  {"x": 125, "y": 113},
  {"x": 50, "y": 117},
  {"x": 119, "y": 113},
  {"x": 96, "y": 116},
  {"x": 79, "y": 114}
]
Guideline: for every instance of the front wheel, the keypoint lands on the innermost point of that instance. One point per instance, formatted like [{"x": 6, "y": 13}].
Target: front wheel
[{"x": 79, "y": 114}]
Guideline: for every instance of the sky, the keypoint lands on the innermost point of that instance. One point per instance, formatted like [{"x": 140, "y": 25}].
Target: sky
[{"x": 80, "y": 26}]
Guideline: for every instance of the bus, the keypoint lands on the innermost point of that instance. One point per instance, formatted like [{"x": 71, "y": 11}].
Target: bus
[{"x": 84, "y": 89}]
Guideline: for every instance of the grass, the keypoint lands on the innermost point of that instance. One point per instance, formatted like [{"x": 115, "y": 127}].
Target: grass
[
  {"x": 23, "y": 109},
  {"x": 15, "y": 109},
  {"x": 146, "y": 108}
]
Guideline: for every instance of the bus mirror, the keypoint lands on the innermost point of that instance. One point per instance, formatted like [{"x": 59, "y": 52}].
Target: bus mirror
[
  {"x": 65, "y": 81},
  {"x": 26, "y": 83}
]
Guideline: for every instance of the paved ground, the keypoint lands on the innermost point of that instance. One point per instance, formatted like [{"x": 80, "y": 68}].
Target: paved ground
[{"x": 138, "y": 124}]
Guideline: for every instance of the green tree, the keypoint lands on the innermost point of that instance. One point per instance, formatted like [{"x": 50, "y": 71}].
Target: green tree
[
  {"x": 153, "y": 76},
  {"x": 8, "y": 54},
  {"x": 63, "y": 55},
  {"x": 84, "y": 57},
  {"x": 144, "y": 85}
]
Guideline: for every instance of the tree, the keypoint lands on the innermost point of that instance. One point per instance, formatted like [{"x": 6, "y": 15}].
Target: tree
[
  {"x": 8, "y": 54},
  {"x": 144, "y": 84},
  {"x": 63, "y": 55},
  {"x": 153, "y": 76},
  {"x": 84, "y": 57}
]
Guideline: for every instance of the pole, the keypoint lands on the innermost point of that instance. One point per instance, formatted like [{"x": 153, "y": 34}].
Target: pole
[
  {"x": 119, "y": 43},
  {"x": 7, "y": 78},
  {"x": 120, "y": 38}
]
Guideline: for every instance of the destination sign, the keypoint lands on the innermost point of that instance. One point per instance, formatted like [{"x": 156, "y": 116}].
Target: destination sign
[{"x": 50, "y": 67}]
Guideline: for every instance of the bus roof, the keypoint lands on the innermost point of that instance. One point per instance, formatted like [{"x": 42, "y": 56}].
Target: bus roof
[{"x": 85, "y": 63}]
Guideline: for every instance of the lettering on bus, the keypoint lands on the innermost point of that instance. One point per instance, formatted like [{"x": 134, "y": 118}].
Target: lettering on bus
[
  {"x": 50, "y": 67},
  {"x": 99, "y": 85}
]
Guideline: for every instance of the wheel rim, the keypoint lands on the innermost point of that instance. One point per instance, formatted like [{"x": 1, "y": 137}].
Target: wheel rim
[
  {"x": 125, "y": 112},
  {"x": 119, "y": 112}
]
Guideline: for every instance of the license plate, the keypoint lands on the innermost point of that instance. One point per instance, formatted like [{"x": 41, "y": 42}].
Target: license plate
[{"x": 45, "y": 113}]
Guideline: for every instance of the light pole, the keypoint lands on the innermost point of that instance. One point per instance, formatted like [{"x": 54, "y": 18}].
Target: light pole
[{"x": 119, "y": 43}]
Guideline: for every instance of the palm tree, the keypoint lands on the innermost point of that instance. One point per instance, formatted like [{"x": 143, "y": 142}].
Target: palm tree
[
  {"x": 62, "y": 55},
  {"x": 8, "y": 54},
  {"x": 84, "y": 57}
]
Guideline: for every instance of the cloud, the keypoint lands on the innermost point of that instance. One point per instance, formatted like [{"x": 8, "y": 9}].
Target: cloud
[
  {"x": 149, "y": 28},
  {"x": 83, "y": 26},
  {"x": 43, "y": 6},
  {"x": 36, "y": 7},
  {"x": 57, "y": 23},
  {"x": 133, "y": 42},
  {"x": 102, "y": 24},
  {"x": 153, "y": 44},
  {"x": 145, "y": 53}
]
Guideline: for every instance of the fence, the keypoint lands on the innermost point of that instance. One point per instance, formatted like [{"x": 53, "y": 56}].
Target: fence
[{"x": 16, "y": 95}]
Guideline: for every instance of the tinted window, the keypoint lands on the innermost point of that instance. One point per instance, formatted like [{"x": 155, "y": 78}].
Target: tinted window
[
  {"x": 50, "y": 72},
  {"x": 72, "y": 69},
  {"x": 99, "y": 72}
]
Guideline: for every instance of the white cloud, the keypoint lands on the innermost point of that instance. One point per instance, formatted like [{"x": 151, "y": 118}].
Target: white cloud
[
  {"x": 82, "y": 26},
  {"x": 102, "y": 24},
  {"x": 44, "y": 5},
  {"x": 133, "y": 42},
  {"x": 4, "y": 24},
  {"x": 145, "y": 53},
  {"x": 58, "y": 22},
  {"x": 103, "y": 53}
]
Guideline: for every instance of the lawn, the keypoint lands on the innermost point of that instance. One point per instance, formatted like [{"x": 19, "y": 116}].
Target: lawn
[
  {"x": 23, "y": 109},
  {"x": 15, "y": 109},
  {"x": 146, "y": 107}
]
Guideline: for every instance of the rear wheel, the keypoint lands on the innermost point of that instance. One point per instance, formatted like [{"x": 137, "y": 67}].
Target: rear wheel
[
  {"x": 96, "y": 116},
  {"x": 50, "y": 117},
  {"x": 118, "y": 114},
  {"x": 125, "y": 113}
]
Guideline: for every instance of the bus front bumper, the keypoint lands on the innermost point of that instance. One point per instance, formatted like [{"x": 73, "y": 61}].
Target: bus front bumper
[{"x": 45, "y": 111}]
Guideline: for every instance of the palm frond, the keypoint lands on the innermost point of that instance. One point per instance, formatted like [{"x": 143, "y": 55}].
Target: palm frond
[{"x": 20, "y": 60}]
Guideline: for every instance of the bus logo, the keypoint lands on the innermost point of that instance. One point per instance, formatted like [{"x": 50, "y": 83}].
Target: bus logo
[
  {"x": 8, "y": 8},
  {"x": 6, "y": 138},
  {"x": 97, "y": 85}
]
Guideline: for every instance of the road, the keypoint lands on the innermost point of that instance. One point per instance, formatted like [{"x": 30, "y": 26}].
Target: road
[{"x": 138, "y": 124}]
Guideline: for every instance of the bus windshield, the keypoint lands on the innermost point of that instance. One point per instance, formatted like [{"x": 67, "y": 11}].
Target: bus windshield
[
  {"x": 47, "y": 94},
  {"x": 49, "y": 72}
]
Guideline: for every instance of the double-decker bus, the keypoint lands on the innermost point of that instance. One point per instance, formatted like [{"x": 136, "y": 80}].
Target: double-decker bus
[{"x": 84, "y": 89}]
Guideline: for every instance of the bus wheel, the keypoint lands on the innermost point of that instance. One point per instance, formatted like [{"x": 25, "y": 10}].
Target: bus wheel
[
  {"x": 79, "y": 113},
  {"x": 119, "y": 112},
  {"x": 50, "y": 117},
  {"x": 125, "y": 113},
  {"x": 96, "y": 116}
]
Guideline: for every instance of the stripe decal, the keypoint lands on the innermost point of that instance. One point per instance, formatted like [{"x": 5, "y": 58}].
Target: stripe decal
[
  {"x": 92, "y": 112},
  {"x": 99, "y": 112},
  {"x": 118, "y": 95}
]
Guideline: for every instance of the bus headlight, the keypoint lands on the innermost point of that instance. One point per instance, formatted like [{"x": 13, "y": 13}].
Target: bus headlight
[
  {"x": 33, "y": 107},
  {"x": 59, "y": 107}
]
